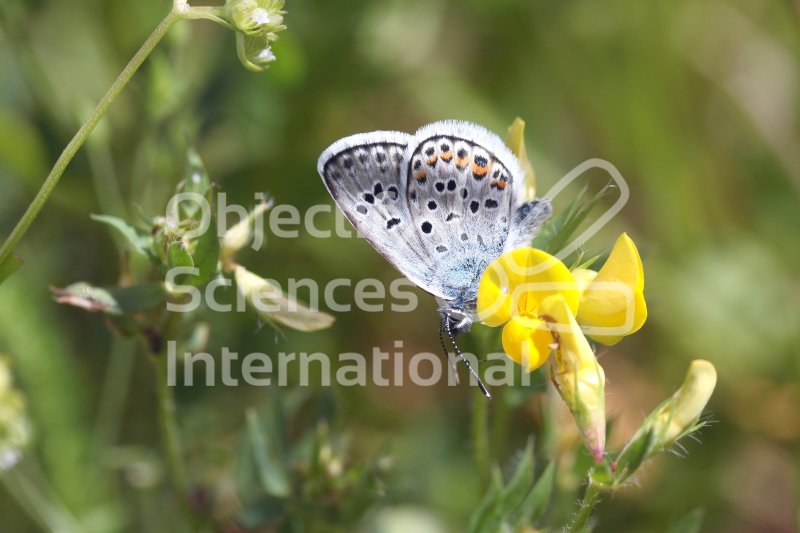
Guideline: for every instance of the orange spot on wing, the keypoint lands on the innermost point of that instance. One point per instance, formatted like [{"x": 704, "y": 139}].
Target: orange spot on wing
[
  {"x": 447, "y": 156},
  {"x": 420, "y": 175},
  {"x": 431, "y": 160},
  {"x": 501, "y": 184},
  {"x": 479, "y": 170}
]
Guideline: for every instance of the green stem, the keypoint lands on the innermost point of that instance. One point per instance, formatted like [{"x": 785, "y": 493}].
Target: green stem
[
  {"x": 43, "y": 509},
  {"x": 168, "y": 426},
  {"x": 590, "y": 499},
  {"x": 83, "y": 133},
  {"x": 480, "y": 435}
]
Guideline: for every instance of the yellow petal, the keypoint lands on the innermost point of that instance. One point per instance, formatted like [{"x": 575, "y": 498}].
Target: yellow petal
[
  {"x": 518, "y": 281},
  {"x": 583, "y": 276},
  {"x": 612, "y": 305},
  {"x": 527, "y": 341}
]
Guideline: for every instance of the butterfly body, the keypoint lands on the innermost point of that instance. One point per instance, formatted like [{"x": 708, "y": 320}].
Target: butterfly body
[{"x": 440, "y": 205}]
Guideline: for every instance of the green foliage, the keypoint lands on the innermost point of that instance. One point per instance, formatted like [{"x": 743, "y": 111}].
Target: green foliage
[
  {"x": 691, "y": 523},
  {"x": 560, "y": 228},
  {"x": 9, "y": 265},
  {"x": 516, "y": 504},
  {"x": 139, "y": 240}
]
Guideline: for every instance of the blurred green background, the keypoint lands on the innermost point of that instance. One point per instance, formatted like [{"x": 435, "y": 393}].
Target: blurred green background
[{"x": 695, "y": 102}]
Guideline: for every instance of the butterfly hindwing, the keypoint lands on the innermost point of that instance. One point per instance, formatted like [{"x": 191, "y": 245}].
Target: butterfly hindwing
[{"x": 366, "y": 176}]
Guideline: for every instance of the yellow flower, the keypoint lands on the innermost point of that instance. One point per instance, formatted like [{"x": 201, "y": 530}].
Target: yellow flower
[
  {"x": 512, "y": 291},
  {"x": 608, "y": 304},
  {"x": 544, "y": 307}
]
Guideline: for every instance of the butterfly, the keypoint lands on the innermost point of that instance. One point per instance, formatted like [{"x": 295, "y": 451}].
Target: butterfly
[{"x": 440, "y": 205}]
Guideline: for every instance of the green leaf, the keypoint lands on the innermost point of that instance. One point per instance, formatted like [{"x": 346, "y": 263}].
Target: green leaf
[
  {"x": 112, "y": 300},
  {"x": 271, "y": 472},
  {"x": 488, "y": 516},
  {"x": 535, "y": 504},
  {"x": 556, "y": 232},
  {"x": 521, "y": 481},
  {"x": 206, "y": 253},
  {"x": 139, "y": 240},
  {"x": 179, "y": 257},
  {"x": 691, "y": 523},
  {"x": 634, "y": 453},
  {"x": 8, "y": 266}
]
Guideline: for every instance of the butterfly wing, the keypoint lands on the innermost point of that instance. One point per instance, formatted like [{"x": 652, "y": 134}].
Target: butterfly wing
[
  {"x": 463, "y": 190},
  {"x": 366, "y": 176}
]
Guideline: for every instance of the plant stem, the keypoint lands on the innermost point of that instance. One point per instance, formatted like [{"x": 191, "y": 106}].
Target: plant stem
[
  {"x": 48, "y": 513},
  {"x": 168, "y": 426},
  {"x": 590, "y": 499},
  {"x": 480, "y": 436},
  {"x": 170, "y": 437},
  {"x": 83, "y": 133}
]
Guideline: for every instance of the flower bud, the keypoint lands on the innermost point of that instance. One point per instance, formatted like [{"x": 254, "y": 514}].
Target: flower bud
[
  {"x": 242, "y": 233},
  {"x": 673, "y": 419},
  {"x": 515, "y": 140},
  {"x": 255, "y": 52},
  {"x": 680, "y": 413},
  {"x": 256, "y": 17},
  {"x": 273, "y": 305},
  {"x": 579, "y": 378}
]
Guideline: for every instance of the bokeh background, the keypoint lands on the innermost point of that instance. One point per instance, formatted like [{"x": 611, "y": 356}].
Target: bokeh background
[{"x": 694, "y": 101}]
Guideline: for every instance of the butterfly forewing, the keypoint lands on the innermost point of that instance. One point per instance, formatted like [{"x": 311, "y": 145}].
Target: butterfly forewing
[
  {"x": 461, "y": 192},
  {"x": 365, "y": 175}
]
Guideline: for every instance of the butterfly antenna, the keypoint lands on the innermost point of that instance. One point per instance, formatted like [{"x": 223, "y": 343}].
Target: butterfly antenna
[
  {"x": 461, "y": 357},
  {"x": 452, "y": 361}
]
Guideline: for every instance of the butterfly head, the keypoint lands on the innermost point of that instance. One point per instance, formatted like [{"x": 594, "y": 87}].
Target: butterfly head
[{"x": 459, "y": 315}]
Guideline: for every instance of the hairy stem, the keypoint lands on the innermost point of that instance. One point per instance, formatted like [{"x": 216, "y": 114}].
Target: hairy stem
[
  {"x": 584, "y": 514},
  {"x": 83, "y": 133}
]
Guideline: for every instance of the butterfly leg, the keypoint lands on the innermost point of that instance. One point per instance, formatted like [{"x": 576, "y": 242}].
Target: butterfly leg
[{"x": 460, "y": 356}]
